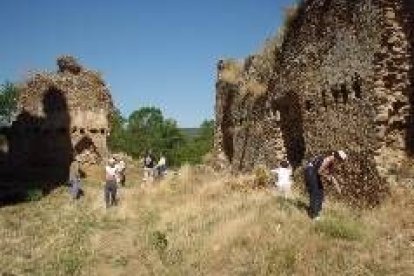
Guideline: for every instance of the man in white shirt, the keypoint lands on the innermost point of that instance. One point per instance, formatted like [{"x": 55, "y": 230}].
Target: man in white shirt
[
  {"x": 284, "y": 180},
  {"x": 120, "y": 177},
  {"x": 161, "y": 166},
  {"x": 110, "y": 183}
]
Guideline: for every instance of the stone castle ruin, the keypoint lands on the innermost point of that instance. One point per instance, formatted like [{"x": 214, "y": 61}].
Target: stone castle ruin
[
  {"x": 61, "y": 116},
  {"x": 342, "y": 77}
]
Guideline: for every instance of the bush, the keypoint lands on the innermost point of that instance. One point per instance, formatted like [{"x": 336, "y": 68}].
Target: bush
[
  {"x": 262, "y": 177},
  {"x": 159, "y": 241}
]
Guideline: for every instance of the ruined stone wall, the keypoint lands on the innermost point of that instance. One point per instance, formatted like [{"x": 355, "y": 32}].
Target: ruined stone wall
[
  {"x": 394, "y": 86},
  {"x": 343, "y": 80},
  {"x": 61, "y": 115},
  {"x": 327, "y": 69},
  {"x": 247, "y": 128}
]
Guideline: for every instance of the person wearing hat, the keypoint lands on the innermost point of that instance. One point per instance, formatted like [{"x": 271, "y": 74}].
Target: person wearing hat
[
  {"x": 110, "y": 183},
  {"x": 318, "y": 167}
]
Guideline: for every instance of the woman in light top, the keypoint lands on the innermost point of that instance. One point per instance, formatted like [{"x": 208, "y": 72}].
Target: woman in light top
[{"x": 284, "y": 178}]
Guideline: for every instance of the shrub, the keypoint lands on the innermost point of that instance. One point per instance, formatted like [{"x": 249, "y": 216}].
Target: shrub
[
  {"x": 262, "y": 177},
  {"x": 159, "y": 241}
]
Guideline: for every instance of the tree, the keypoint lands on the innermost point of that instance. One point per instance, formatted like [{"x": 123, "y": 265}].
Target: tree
[
  {"x": 147, "y": 129},
  {"x": 144, "y": 128},
  {"x": 117, "y": 139},
  {"x": 8, "y": 102},
  {"x": 195, "y": 148}
]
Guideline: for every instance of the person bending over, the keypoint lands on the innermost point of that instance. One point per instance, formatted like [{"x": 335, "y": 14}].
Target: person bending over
[{"x": 321, "y": 166}]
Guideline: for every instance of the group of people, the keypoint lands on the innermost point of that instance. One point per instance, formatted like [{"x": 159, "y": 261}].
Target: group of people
[
  {"x": 315, "y": 169},
  {"x": 152, "y": 168},
  {"x": 115, "y": 176}
]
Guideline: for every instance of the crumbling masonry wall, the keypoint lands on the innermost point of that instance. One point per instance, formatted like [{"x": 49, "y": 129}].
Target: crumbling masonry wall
[
  {"x": 247, "y": 129},
  {"x": 62, "y": 116},
  {"x": 343, "y": 81}
]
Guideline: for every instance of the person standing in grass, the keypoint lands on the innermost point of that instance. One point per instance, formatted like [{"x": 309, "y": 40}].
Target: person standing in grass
[
  {"x": 284, "y": 178},
  {"x": 149, "y": 161},
  {"x": 120, "y": 167},
  {"x": 318, "y": 167},
  {"x": 74, "y": 179},
  {"x": 110, "y": 183},
  {"x": 161, "y": 166}
]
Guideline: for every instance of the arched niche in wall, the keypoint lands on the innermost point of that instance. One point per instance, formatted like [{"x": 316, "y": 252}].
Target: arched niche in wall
[
  {"x": 292, "y": 127},
  {"x": 86, "y": 144},
  {"x": 357, "y": 86},
  {"x": 344, "y": 93}
]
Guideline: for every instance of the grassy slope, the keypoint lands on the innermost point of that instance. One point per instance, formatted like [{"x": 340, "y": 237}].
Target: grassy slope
[{"x": 199, "y": 223}]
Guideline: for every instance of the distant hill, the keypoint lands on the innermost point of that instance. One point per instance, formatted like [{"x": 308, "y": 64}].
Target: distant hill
[{"x": 190, "y": 132}]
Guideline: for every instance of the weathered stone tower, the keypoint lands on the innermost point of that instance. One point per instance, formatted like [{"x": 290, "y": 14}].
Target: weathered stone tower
[
  {"x": 343, "y": 78},
  {"x": 62, "y": 115}
]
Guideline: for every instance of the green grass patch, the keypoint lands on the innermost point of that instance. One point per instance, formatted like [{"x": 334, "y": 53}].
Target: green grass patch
[{"x": 339, "y": 229}]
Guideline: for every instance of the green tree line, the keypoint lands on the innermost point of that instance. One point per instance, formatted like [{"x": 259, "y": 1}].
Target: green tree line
[{"x": 147, "y": 129}]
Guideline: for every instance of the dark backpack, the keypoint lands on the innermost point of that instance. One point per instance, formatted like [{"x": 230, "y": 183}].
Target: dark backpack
[{"x": 317, "y": 161}]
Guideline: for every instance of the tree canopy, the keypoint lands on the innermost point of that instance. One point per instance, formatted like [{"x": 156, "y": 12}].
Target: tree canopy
[
  {"x": 8, "y": 102},
  {"x": 147, "y": 129}
]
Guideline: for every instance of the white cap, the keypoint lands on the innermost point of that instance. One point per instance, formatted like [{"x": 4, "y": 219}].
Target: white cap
[{"x": 342, "y": 154}]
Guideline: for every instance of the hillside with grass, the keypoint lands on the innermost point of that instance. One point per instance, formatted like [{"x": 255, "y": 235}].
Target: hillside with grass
[{"x": 199, "y": 222}]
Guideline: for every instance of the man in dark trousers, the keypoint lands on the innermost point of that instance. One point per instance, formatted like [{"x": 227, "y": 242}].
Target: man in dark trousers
[
  {"x": 149, "y": 162},
  {"x": 317, "y": 167},
  {"x": 110, "y": 183},
  {"x": 74, "y": 179}
]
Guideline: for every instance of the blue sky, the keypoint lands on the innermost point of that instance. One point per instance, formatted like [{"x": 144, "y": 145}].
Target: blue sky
[{"x": 151, "y": 53}]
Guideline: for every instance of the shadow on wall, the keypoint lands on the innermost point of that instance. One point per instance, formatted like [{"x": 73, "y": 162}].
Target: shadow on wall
[
  {"x": 292, "y": 128},
  {"x": 40, "y": 151},
  {"x": 409, "y": 138},
  {"x": 3, "y": 145},
  {"x": 228, "y": 125}
]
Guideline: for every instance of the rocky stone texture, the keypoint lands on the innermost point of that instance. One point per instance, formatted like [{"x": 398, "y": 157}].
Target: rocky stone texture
[
  {"x": 247, "y": 131},
  {"x": 61, "y": 116},
  {"x": 343, "y": 79}
]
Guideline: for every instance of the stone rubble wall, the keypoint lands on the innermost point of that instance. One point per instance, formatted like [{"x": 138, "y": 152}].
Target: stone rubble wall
[
  {"x": 343, "y": 79},
  {"x": 61, "y": 115},
  {"x": 394, "y": 86},
  {"x": 246, "y": 130}
]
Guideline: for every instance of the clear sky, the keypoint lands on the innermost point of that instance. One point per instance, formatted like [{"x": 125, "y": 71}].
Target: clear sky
[{"x": 151, "y": 53}]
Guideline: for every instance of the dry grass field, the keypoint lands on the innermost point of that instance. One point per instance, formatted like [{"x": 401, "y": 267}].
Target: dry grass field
[{"x": 197, "y": 222}]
